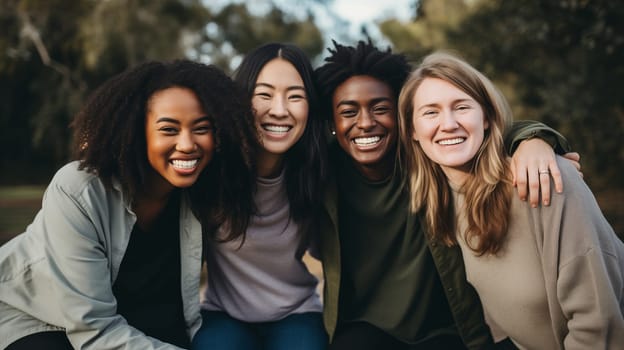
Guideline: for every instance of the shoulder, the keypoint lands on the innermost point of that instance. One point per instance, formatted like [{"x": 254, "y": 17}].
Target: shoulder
[
  {"x": 71, "y": 176},
  {"x": 568, "y": 171},
  {"x": 576, "y": 194},
  {"x": 578, "y": 217},
  {"x": 72, "y": 181},
  {"x": 574, "y": 187}
]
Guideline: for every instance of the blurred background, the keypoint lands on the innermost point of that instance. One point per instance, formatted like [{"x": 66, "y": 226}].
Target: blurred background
[{"x": 560, "y": 62}]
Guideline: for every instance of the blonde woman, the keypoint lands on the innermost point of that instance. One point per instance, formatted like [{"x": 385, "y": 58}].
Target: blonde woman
[{"x": 548, "y": 277}]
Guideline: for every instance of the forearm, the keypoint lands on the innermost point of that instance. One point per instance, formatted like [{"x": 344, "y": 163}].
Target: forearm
[{"x": 527, "y": 129}]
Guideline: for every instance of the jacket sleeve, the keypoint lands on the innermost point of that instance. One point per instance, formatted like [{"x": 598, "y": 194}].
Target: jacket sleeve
[
  {"x": 527, "y": 129},
  {"x": 590, "y": 273},
  {"x": 76, "y": 248}
]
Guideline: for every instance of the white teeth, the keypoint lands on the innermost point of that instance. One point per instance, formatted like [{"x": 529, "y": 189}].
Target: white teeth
[
  {"x": 184, "y": 164},
  {"x": 452, "y": 141},
  {"x": 276, "y": 128},
  {"x": 365, "y": 141}
]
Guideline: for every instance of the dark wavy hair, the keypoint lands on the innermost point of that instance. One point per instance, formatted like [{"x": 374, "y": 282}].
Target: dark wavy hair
[
  {"x": 345, "y": 62},
  {"x": 109, "y": 136},
  {"x": 305, "y": 162}
]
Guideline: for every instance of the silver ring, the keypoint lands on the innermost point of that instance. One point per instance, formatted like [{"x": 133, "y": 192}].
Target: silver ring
[{"x": 544, "y": 172}]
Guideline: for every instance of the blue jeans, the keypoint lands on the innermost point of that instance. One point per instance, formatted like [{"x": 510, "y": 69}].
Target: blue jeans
[{"x": 295, "y": 332}]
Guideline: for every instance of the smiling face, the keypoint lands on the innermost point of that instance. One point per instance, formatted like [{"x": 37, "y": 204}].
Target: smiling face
[
  {"x": 280, "y": 108},
  {"x": 365, "y": 121},
  {"x": 180, "y": 142},
  {"x": 450, "y": 126}
]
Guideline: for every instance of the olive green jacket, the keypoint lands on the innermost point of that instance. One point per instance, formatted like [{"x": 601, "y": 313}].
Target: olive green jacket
[{"x": 463, "y": 299}]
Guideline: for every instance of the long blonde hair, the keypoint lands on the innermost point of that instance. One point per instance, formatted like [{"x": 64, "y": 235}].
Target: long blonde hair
[{"x": 488, "y": 189}]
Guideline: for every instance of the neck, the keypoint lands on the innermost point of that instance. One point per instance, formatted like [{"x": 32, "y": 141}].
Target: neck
[
  {"x": 156, "y": 188},
  {"x": 147, "y": 211},
  {"x": 270, "y": 165},
  {"x": 456, "y": 177},
  {"x": 378, "y": 171},
  {"x": 150, "y": 201}
]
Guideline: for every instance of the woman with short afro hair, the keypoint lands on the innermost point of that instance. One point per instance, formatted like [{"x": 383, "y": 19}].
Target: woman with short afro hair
[{"x": 386, "y": 286}]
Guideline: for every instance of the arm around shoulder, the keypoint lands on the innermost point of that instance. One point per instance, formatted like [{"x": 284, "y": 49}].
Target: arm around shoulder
[{"x": 527, "y": 129}]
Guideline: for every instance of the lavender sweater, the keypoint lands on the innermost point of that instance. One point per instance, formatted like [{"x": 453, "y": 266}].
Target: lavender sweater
[{"x": 262, "y": 280}]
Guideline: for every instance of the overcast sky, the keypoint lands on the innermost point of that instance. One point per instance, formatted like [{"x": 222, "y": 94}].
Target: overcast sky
[
  {"x": 343, "y": 22},
  {"x": 355, "y": 12},
  {"x": 367, "y": 11}
]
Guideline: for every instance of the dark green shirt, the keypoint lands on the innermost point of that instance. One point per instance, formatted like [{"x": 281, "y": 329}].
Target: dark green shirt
[
  {"x": 372, "y": 248},
  {"x": 387, "y": 269}
]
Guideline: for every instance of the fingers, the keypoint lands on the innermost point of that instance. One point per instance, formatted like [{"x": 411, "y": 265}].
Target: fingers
[
  {"x": 545, "y": 172},
  {"x": 535, "y": 183},
  {"x": 556, "y": 176},
  {"x": 520, "y": 179},
  {"x": 533, "y": 163},
  {"x": 544, "y": 179},
  {"x": 575, "y": 159}
]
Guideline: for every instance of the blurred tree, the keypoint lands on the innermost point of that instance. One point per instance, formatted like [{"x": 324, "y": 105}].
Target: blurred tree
[
  {"x": 565, "y": 59},
  {"x": 234, "y": 30},
  {"x": 428, "y": 30},
  {"x": 560, "y": 62},
  {"x": 39, "y": 82},
  {"x": 55, "y": 52}
]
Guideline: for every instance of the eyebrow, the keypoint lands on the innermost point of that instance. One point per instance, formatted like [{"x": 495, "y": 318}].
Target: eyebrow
[
  {"x": 293, "y": 87},
  {"x": 435, "y": 104},
  {"x": 354, "y": 103},
  {"x": 175, "y": 121}
]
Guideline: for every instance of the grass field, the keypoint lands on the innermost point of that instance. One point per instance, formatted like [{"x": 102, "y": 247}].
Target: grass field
[{"x": 18, "y": 206}]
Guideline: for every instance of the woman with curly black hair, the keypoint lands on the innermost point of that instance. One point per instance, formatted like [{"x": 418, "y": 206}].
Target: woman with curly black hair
[
  {"x": 260, "y": 294},
  {"x": 113, "y": 258}
]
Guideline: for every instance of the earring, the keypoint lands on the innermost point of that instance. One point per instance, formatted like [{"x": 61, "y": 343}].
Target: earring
[{"x": 333, "y": 132}]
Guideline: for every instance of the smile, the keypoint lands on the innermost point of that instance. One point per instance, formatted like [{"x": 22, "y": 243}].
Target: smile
[
  {"x": 454, "y": 141},
  {"x": 184, "y": 164},
  {"x": 366, "y": 141},
  {"x": 276, "y": 128}
]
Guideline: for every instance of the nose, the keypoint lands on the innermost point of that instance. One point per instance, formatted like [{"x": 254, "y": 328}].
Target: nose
[
  {"x": 278, "y": 107},
  {"x": 448, "y": 121},
  {"x": 366, "y": 120},
  {"x": 186, "y": 142}
]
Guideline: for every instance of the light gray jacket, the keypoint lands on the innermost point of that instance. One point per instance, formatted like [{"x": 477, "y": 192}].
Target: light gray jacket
[{"x": 58, "y": 275}]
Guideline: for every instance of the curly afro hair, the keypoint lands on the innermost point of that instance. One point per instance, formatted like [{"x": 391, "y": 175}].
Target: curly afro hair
[
  {"x": 363, "y": 59},
  {"x": 109, "y": 136}
]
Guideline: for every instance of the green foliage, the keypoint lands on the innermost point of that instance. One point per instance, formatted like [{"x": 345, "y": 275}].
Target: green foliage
[
  {"x": 54, "y": 52},
  {"x": 429, "y": 30},
  {"x": 236, "y": 31},
  {"x": 557, "y": 61},
  {"x": 566, "y": 58}
]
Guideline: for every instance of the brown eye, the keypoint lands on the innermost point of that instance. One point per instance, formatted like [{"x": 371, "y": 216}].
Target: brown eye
[
  {"x": 203, "y": 129},
  {"x": 263, "y": 95},
  {"x": 348, "y": 113},
  {"x": 168, "y": 130}
]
